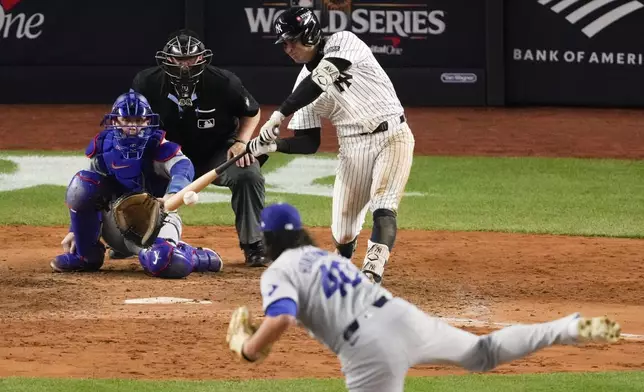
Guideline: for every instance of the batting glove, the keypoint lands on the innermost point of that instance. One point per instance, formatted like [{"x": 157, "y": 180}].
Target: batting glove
[
  {"x": 270, "y": 130},
  {"x": 256, "y": 147}
]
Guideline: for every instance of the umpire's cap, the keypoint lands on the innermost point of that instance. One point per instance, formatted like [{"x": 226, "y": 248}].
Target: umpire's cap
[{"x": 298, "y": 22}]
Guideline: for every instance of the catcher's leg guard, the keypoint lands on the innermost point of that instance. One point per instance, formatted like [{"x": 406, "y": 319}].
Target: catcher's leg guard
[
  {"x": 165, "y": 260},
  {"x": 162, "y": 260},
  {"x": 83, "y": 196},
  {"x": 203, "y": 259}
]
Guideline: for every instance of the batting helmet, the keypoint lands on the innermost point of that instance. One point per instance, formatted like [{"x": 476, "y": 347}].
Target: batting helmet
[
  {"x": 184, "y": 58},
  {"x": 298, "y": 23}
]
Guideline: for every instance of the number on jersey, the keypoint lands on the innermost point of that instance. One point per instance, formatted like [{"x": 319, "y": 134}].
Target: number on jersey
[{"x": 335, "y": 278}]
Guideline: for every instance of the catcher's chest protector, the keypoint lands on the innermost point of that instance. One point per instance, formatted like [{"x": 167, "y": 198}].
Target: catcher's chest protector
[{"x": 130, "y": 173}]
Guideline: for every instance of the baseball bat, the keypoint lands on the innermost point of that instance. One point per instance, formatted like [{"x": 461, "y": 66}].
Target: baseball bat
[{"x": 175, "y": 201}]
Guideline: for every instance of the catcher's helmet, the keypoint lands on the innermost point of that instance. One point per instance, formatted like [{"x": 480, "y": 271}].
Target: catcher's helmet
[
  {"x": 134, "y": 121},
  {"x": 184, "y": 58},
  {"x": 298, "y": 22}
]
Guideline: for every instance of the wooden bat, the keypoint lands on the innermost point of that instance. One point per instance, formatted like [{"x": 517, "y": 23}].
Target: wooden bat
[{"x": 175, "y": 201}]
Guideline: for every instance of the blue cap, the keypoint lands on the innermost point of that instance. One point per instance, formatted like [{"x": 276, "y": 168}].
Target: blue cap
[{"x": 280, "y": 216}]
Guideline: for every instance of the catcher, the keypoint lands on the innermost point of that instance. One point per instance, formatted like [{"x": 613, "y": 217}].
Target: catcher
[{"x": 132, "y": 169}]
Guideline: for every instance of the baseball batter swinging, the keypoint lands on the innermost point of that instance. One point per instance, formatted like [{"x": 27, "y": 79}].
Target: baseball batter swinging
[
  {"x": 376, "y": 336},
  {"x": 342, "y": 80}
]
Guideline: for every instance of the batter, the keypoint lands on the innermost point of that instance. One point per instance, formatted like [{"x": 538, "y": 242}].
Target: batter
[
  {"x": 376, "y": 336},
  {"x": 341, "y": 80}
]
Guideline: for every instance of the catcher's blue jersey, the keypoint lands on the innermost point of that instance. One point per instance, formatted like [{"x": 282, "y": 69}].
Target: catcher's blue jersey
[{"x": 162, "y": 168}]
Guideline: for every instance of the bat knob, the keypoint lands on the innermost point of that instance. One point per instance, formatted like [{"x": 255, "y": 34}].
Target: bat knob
[{"x": 276, "y": 132}]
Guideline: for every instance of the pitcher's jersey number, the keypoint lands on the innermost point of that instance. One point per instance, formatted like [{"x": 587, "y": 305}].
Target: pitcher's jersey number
[{"x": 336, "y": 278}]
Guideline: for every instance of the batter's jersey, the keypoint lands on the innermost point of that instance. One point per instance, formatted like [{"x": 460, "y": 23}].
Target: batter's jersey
[
  {"x": 361, "y": 98},
  {"x": 330, "y": 292}
]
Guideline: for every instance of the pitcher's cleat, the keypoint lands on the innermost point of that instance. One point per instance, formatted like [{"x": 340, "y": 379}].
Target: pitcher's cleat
[{"x": 599, "y": 329}]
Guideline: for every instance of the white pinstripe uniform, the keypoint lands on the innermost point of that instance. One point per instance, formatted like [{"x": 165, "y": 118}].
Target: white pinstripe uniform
[{"x": 374, "y": 168}]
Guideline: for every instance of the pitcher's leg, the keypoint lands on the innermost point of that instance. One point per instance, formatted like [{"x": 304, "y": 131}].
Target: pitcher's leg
[
  {"x": 390, "y": 176},
  {"x": 440, "y": 343},
  {"x": 350, "y": 201}
]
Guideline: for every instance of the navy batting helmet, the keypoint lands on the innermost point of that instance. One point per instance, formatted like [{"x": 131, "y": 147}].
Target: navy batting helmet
[{"x": 298, "y": 23}]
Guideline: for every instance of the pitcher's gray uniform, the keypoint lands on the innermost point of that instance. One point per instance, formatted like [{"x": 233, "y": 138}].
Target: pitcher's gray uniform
[
  {"x": 378, "y": 337},
  {"x": 341, "y": 80}
]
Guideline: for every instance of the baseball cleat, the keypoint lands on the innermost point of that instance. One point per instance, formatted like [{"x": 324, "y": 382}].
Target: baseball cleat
[
  {"x": 599, "y": 329},
  {"x": 255, "y": 255}
]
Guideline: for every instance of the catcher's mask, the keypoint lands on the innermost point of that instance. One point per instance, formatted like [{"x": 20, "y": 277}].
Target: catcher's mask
[
  {"x": 184, "y": 58},
  {"x": 133, "y": 121},
  {"x": 298, "y": 23}
]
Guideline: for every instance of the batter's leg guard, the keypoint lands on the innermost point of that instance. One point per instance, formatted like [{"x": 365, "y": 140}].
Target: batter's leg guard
[
  {"x": 82, "y": 198},
  {"x": 346, "y": 250},
  {"x": 384, "y": 227},
  {"x": 203, "y": 259},
  {"x": 374, "y": 261}
]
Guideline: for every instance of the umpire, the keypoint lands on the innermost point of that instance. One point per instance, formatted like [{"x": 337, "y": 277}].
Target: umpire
[{"x": 210, "y": 114}]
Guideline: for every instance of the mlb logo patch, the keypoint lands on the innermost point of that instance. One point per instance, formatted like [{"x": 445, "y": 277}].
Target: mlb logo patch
[{"x": 206, "y": 123}]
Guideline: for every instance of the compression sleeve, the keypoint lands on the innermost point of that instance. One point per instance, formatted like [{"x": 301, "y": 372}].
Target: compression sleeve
[
  {"x": 308, "y": 91},
  {"x": 305, "y": 141}
]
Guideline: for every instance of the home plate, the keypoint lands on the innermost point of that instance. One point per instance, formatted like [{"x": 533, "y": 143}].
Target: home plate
[{"x": 164, "y": 301}]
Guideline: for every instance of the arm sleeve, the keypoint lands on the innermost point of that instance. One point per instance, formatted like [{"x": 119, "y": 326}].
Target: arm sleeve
[
  {"x": 307, "y": 91},
  {"x": 178, "y": 169},
  {"x": 275, "y": 286},
  {"x": 182, "y": 172},
  {"x": 305, "y": 141},
  {"x": 242, "y": 103}
]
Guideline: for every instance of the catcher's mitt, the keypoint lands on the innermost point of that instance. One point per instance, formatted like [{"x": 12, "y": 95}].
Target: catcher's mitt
[
  {"x": 240, "y": 330},
  {"x": 139, "y": 217}
]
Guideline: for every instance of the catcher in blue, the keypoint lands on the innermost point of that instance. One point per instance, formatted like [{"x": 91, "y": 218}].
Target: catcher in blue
[
  {"x": 376, "y": 336},
  {"x": 130, "y": 157}
]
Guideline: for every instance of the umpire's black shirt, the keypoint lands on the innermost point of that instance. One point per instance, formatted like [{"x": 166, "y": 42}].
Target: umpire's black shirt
[{"x": 211, "y": 123}]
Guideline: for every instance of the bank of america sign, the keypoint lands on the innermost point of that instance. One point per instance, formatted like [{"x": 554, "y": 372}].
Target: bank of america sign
[{"x": 576, "y": 10}]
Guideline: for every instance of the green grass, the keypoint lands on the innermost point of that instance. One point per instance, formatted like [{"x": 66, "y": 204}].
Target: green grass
[
  {"x": 569, "y": 382},
  {"x": 530, "y": 195},
  {"x": 7, "y": 166}
]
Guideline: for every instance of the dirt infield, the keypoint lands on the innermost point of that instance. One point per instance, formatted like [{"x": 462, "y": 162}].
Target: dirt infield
[{"x": 76, "y": 325}]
